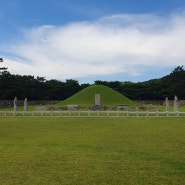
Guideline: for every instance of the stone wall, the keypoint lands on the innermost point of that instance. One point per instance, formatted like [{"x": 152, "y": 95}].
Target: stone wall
[
  {"x": 9, "y": 103},
  {"x": 150, "y": 102},
  {"x": 158, "y": 102}
]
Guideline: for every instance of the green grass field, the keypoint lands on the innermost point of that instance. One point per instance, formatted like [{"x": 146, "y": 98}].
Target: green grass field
[{"x": 92, "y": 151}]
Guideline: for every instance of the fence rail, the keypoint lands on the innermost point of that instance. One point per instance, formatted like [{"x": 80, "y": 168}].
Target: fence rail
[{"x": 90, "y": 113}]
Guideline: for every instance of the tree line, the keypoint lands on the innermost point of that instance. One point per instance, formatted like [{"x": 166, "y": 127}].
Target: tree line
[
  {"x": 154, "y": 89},
  {"x": 38, "y": 88}
]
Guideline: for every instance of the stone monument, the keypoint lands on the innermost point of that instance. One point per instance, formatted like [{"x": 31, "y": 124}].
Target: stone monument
[
  {"x": 97, "y": 99},
  {"x": 167, "y": 103},
  {"x": 25, "y": 104},
  {"x": 15, "y": 108},
  {"x": 175, "y": 104}
]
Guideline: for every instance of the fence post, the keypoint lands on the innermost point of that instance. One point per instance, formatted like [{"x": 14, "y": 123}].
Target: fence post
[
  {"x": 177, "y": 113},
  {"x": 157, "y": 113},
  {"x": 137, "y": 113},
  {"x": 127, "y": 113},
  {"x": 167, "y": 113}
]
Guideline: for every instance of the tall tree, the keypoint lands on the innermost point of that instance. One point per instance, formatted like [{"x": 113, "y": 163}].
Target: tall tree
[{"x": 2, "y": 69}]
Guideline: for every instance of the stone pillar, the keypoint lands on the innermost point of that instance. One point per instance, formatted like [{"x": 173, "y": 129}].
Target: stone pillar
[
  {"x": 97, "y": 99},
  {"x": 167, "y": 103},
  {"x": 15, "y": 108},
  {"x": 175, "y": 104},
  {"x": 25, "y": 104}
]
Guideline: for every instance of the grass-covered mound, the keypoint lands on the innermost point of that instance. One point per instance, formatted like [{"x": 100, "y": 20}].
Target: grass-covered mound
[{"x": 109, "y": 97}]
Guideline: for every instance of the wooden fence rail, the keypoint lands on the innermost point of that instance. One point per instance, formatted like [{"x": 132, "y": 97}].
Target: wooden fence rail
[{"x": 90, "y": 113}]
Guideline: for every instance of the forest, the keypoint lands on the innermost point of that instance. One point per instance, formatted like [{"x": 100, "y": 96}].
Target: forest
[{"x": 38, "y": 88}]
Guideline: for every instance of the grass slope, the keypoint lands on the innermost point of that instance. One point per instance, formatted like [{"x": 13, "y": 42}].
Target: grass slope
[
  {"x": 109, "y": 97},
  {"x": 92, "y": 151}
]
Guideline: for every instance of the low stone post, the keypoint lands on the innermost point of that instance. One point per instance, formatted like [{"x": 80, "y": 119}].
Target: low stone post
[
  {"x": 167, "y": 104},
  {"x": 175, "y": 104},
  {"x": 15, "y": 107},
  {"x": 25, "y": 104}
]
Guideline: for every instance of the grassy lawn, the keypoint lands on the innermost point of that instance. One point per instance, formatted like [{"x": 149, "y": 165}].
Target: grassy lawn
[{"x": 92, "y": 151}]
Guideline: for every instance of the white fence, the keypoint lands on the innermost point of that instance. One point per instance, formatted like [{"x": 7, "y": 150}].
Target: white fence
[{"x": 90, "y": 113}]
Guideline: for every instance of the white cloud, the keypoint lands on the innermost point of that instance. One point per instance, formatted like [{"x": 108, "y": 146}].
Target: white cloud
[{"x": 114, "y": 44}]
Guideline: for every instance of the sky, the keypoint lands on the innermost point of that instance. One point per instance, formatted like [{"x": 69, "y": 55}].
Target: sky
[{"x": 85, "y": 40}]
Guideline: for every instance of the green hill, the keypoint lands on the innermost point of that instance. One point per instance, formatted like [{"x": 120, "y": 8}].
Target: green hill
[{"x": 109, "y": 97}]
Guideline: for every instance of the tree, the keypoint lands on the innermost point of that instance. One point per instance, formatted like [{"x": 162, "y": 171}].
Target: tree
[
  {"x": 178, "y": 69},
  {"x": 71, "y": 87},
  {"x": 2, "y": 69}
]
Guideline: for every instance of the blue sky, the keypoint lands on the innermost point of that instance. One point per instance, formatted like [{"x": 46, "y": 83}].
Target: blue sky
[{"x": 85, "y": 40}]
